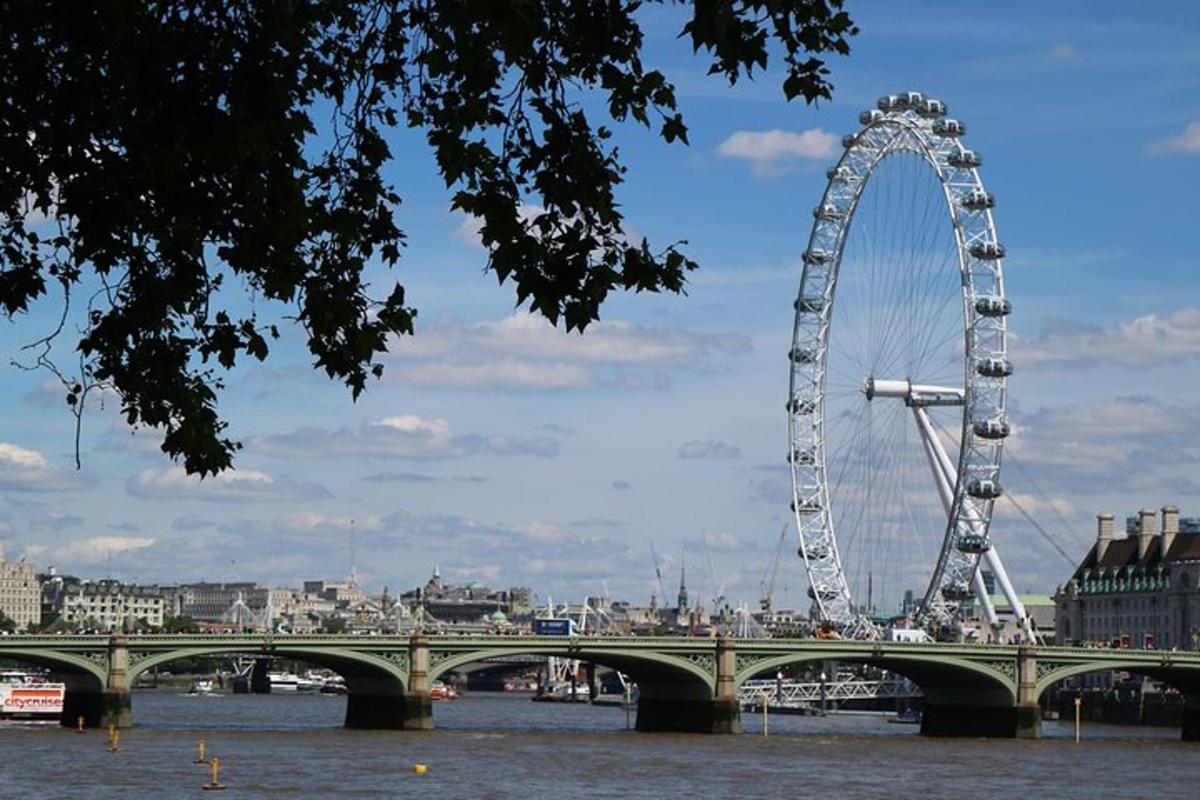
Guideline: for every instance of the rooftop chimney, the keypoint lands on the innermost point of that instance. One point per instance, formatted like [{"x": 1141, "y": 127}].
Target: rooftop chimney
[
  {"x": 1104, "y": 534},
  {"x": 1170, "y": 527},
  {"x": 1145, "y": 531}
]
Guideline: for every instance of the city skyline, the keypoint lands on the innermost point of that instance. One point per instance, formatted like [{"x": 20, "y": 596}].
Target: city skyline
[{"x": 506, "y": 451}]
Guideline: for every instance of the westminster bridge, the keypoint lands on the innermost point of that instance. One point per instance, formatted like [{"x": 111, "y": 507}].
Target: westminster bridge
[{"x": 684, "y": 683}]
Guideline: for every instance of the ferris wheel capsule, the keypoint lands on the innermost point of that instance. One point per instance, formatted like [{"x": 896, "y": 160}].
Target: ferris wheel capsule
[
  {"x": 956, "y": 592},
  {"x": 842, "y": 173},
  {"x": 994, "y": 367},
  {"x": 977, "y": 200},
  {"x": 801, "y": 406},
  {"x": 932, "y": 108},
  {"x": 871, "y": 117},
  {"x": 801, "y": 456},
  {"x": 973, "y": 543},
  {"x": 991, "y": 429},
  {"x": 987, "y": 250},
  {"x": 817, "y": 256},
  {"x": 948, "y": 127},
  {"x": 984, "y": 489},
  {"x": 802, "y": 355},
  {"x": 992, "y": 306},
  {"x": 965, "y": 159},
  {"x": 827, "y": 211}
]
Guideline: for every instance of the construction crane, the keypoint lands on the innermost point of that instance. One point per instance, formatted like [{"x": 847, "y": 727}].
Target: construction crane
[
  {"x": 768, "y": 580},
  {"x": 718, "y": 588},
  {"x": 662, "y": 592}
]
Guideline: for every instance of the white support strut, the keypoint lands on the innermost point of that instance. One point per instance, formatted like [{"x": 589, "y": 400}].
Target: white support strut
[
  {"x": 938, "y": 462},
  {"x": 945, "y": 476}
]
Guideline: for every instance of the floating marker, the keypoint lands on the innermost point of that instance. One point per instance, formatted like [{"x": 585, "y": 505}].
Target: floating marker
[
  {"x": 215, "y": 782},
  {"x": 114, "y": 739},
  {"x": 420, "y": 769},
  {"x": 200, "y": 759},
  {"x": 79, "y": 724}
]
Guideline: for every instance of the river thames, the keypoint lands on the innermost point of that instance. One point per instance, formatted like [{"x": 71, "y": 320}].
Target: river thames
[{"x": 502, "y": 746}]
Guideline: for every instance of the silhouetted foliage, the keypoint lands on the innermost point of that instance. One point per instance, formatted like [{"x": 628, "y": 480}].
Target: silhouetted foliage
[
  {"x": 181, "y": 624},
  {"x": 161, "y": 162}
]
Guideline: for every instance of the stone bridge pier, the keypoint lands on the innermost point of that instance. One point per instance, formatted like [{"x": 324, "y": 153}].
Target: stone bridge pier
[
  {"x": 672, "y": 705},
  {"x": 959, "y": 705},
  {"x": 102, "y": 705}
]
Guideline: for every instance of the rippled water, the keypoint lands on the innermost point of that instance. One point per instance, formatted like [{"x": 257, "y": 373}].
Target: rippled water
[{"x": 502, "y": 746}]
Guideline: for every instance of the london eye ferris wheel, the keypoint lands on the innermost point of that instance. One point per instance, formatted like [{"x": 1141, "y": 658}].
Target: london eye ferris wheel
[{"x": 899, "y": 369}]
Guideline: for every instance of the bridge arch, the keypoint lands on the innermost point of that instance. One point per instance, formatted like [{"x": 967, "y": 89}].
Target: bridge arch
[
  {"x": 70, "y": 666},
  {"x": 376, "y": 685},
  {"x": 930, "y": 670},
  {"x": 965, "y": 693},
  {"x": 677, "y": 691},
  {"x": 1184, "y": 677},
  {"x": 347, "y": 663},
  {"x": 636, "y": 663}
]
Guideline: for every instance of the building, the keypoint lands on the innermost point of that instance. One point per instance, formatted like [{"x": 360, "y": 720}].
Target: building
[
  {"x": 216, "y": 602},
  {"x": 20, "y": 593},
  {"x": 467, "y": 604},
  {"x": 1140, "y": 590},
  {"x": 110, "y": 605},
  {"x": 344, "y": 594},
  {"x": 1040, "y": 609}
]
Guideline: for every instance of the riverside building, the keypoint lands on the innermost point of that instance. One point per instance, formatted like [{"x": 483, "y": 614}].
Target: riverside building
[
  {"x": 20, "y": 594},
  {"x": 110, "y": 605},
  {"x": 1139, "y": 590}
]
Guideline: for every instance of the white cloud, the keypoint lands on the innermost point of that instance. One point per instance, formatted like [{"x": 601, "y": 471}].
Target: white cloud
[
  {"x": 524, "y": 351},
  {"x": 507, "y": 374},
  {"x": 1124, "y": 446},
  {"x": 314, "y": 522},
  {"x": 1145, "y": 341},
  {"x": 400, "y": 437},
  {"x": 241, "y": 485},
  {"x": 1064, "y": 51},
  {"x": 1037, "y": 504},
  {"x": 23, "y": 469},
  {"x": 542, "y": 532},
  {"x": 709, "y": 449},
  {"x": 774, "y": 151},
  {"x": 93, "y": 550},
  {"x": 1186, "y": 142},
  {"x": 22, "y": 458},
  {"x": 468, "y": 230}
]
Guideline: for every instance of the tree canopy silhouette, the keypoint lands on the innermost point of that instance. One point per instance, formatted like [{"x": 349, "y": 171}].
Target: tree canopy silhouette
[{"x": 160, "y": 162}]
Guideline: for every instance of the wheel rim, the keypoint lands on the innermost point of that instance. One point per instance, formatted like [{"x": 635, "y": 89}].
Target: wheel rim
[{"x": 908, "y": 132}]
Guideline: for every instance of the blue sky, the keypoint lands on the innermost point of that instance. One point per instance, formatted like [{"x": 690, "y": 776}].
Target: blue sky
[{"x": 511, "y": 453}]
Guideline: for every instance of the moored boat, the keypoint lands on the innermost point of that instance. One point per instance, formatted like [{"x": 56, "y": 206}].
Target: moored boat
[
  {"x": 440, "y": 691},
  {"x": 30, "y": 697}
]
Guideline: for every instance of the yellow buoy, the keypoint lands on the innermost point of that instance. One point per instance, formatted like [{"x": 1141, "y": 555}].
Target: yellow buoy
[
  {"x": 114, "y": 739},
  {"x": 215, "y": 782},
  {"x": 420, "y": 769},
  {"x": 79, "y": 724},
  {"x": 200, "y": 759}
]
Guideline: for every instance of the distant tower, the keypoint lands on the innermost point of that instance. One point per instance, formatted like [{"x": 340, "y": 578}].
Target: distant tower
[{"x": 683, "y": 595}]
